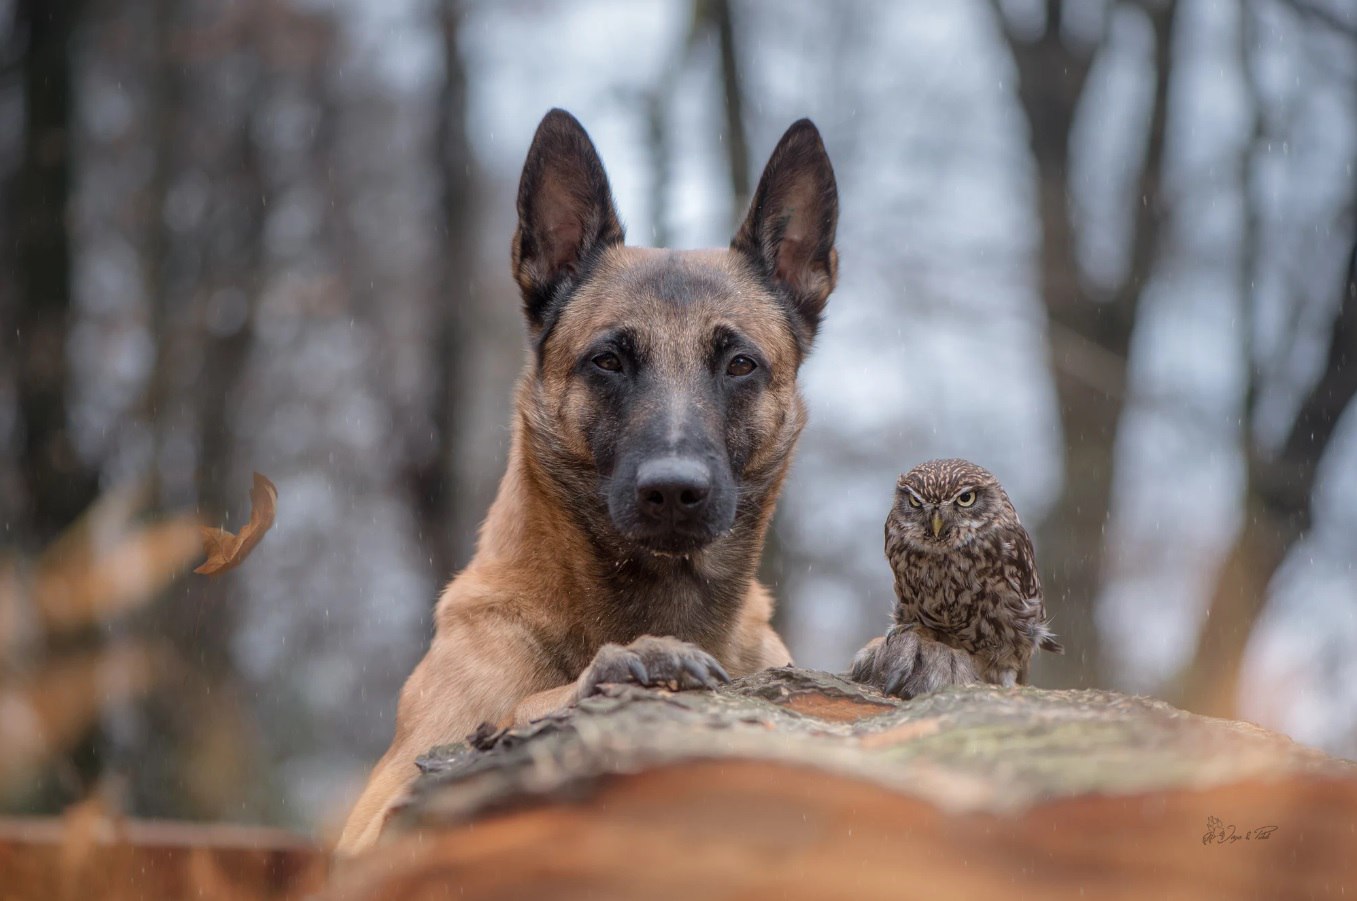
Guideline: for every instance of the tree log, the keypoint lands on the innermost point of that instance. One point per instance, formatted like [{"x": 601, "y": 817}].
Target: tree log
[
  {"x": 799, "y": 784},
  {"x": 87, "y": 854}
]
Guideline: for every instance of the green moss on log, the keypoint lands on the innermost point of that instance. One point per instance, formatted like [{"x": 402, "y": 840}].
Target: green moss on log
[{"x": 967, "y": 749}]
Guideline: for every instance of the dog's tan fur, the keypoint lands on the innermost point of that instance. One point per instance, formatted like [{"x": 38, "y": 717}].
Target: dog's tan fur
[{"x": 519, "y": 626}]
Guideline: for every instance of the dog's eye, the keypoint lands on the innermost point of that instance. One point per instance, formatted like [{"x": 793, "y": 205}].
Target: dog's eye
[
  {"x": 915, "y": 502},
  {"x": 965, "y": 499},
  {"x": 608, "y": 362},
  {"x": 741, "y": 365}
]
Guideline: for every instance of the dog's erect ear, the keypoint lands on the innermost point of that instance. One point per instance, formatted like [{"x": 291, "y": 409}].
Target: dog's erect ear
[
  {"x": 789, "y": 232},
  {"x": 565, "y": 214}
]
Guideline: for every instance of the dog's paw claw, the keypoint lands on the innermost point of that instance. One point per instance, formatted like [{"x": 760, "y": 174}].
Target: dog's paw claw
[
  {"x": 719, "y": 671},
  {"x": 653, "y": 663}
]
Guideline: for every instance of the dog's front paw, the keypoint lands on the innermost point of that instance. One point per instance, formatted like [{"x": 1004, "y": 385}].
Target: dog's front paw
[
  {"x": 654, "y": 663},
  {"x": 905, "y": 664}
]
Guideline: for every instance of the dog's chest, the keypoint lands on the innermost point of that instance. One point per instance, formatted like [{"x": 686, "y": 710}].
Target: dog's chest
[
  {"x": 637, "y": 604},
  {"x": 680, "y": 608}
]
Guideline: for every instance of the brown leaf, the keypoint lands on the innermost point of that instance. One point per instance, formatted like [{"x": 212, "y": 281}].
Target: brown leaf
[{"x": 226, "y": 551}]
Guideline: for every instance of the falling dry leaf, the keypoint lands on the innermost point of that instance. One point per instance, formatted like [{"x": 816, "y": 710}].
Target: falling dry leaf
[{"x": 226, "y": 551}]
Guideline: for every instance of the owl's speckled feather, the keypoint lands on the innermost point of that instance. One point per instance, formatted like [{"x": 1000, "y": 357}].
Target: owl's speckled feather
[{"x": 965, "y": 572}]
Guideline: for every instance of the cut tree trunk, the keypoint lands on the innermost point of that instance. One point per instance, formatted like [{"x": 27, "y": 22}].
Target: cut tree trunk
[
  {"x": 798, "y": 784},
  {"x": 87, "y": 854}
]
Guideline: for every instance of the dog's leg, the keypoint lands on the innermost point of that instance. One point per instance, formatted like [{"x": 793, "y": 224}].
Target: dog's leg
[
  {"x": 478, "y": 668},
  {"x": 754, "y": 645},
  {"x": 534, "y": 707}
]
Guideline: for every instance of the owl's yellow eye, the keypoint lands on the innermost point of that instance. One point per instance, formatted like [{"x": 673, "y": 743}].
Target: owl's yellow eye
[
  {"x": 965, "y": 498},
  {"x": 915, "y": 502}
]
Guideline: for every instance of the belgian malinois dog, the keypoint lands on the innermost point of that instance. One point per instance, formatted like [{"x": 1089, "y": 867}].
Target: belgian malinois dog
[{"x": 654, "y": 425}]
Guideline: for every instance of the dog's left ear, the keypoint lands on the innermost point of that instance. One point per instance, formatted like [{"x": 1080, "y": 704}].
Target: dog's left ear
[
  {"x": 565, "y": 215},
  {"x": 789, "y": 232}
]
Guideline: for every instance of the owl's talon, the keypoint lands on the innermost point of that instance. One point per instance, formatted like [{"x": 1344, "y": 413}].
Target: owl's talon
[
  {"x": 906, "y": 664},
  {"x": 895, "y": 685},
  {"x": 638, "y": 670}
]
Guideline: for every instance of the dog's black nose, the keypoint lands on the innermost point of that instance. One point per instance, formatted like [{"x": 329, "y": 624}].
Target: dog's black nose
[{"x": 672, "y": 489}]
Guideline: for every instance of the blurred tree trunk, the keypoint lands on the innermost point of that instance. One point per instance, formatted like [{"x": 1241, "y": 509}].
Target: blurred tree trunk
[
  {"x": 12, "y": 503},
  {"x": 236, "y": 267},
  {"x": 709, "y": 18},
  {"x": 661, "y": 162},
  {"x": 436, "y": 480},
  {"x": 165, "y": 110},
  {"x": 1090, "y": 336},
  {"x": 1277, "y": 514},
  {"x": 717, "y": 14},
  {"x": 57, "y": 484},
  {"x": 193, "y": 752},
  {"x": 1279, "y": 483}
]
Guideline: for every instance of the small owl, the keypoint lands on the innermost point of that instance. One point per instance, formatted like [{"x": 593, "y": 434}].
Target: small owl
[{"x": 965, "y": 574}]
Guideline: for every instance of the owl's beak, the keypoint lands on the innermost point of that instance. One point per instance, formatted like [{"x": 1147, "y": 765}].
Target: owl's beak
[{"x": 937, "y": 523}]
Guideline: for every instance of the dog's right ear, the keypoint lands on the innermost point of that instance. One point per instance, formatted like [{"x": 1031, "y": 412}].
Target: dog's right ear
[{"x": 565, "y": 215}]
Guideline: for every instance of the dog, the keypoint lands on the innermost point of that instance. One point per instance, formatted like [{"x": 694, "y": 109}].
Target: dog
[{"x": 654, "y": 424}]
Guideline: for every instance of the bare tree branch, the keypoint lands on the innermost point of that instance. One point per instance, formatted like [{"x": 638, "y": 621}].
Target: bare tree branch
[
  {"x": 1278, "y": 512},
  {"x": 1319, "y": 14}
]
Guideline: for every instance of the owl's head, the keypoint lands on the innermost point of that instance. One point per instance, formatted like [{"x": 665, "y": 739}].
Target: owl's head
[{"x": 945, "y": 504}]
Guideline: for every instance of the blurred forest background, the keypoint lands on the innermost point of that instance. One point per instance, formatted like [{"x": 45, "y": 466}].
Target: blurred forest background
[{"x": 1105, "y": 249}]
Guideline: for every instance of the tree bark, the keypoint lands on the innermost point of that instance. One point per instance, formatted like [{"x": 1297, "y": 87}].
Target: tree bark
[{"x": 793, "y": 783}]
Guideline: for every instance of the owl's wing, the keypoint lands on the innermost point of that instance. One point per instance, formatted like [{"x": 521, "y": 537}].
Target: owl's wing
[
  {"x": 1020, "y": 572},
  {"x": 1020, "y": 569}
]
